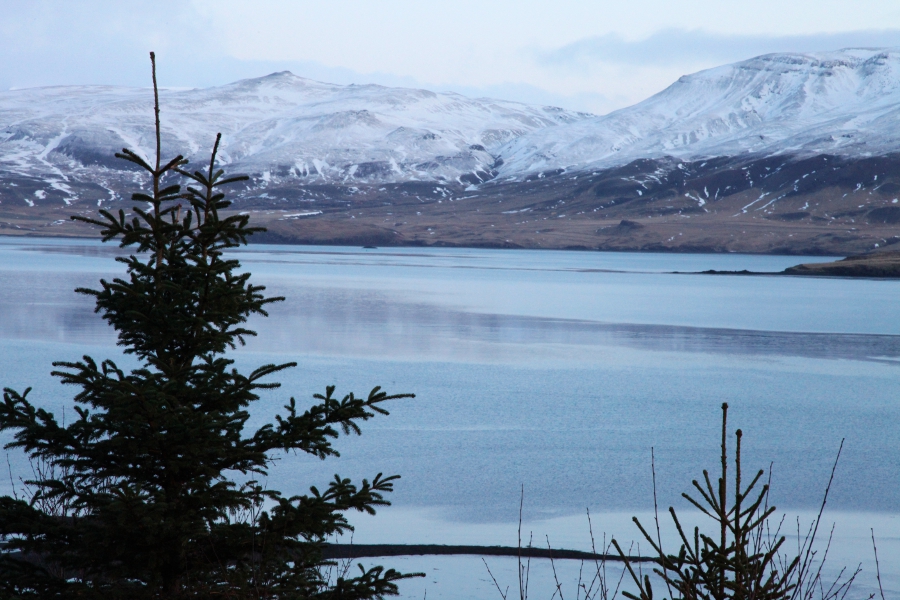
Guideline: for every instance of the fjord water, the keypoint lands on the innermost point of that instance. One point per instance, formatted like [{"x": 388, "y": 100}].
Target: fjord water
[{"x": 553, "y": 370}]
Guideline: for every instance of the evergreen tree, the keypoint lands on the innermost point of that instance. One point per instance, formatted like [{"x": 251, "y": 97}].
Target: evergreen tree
[
  {"x": 744, "y": 557},
  {"x": 151, "y": 492}
]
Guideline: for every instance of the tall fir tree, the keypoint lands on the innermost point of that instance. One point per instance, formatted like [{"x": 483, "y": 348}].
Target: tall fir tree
[{"x": 152, "y": 491}]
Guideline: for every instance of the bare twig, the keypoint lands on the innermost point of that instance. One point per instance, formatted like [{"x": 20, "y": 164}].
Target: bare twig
[
  {"x": 877, "y": 566},
  {"x": 656, "y": 513},
  {"x": 807, "y": 553},
  {"x": 555, "y": 578},
  {"x": 519, "y": 567},
  {"x": 12, "y": 483},
  {"x": 528, "y": 565},
  {"x": 494, "y": 579}
]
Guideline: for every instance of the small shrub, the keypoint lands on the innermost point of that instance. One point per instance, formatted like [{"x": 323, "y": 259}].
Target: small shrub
[{"x": 743, "y": 558}]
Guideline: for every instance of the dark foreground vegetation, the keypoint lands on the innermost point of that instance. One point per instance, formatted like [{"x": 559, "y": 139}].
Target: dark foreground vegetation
[
  {"x": 153, "y": 489},
  {"x": 742, "y": 556}
]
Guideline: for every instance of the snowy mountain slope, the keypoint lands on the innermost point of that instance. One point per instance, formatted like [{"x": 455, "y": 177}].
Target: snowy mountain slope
[
  {"x": 283, "y": 128},
  {"x": 278, "y": 125},
  {"x": 843, "y": 103},
  {"x": 780, "y": 154}
]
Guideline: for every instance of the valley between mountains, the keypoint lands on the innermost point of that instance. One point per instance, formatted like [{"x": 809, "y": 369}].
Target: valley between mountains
[{"x": 784, "y": 153}]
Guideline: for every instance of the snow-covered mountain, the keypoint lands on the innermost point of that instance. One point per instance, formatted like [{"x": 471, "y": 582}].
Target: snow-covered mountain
[
  {"x": 280, "y": 125},
  {"x": 844, "y": 103},
  {"x": 291, "y": 133}
]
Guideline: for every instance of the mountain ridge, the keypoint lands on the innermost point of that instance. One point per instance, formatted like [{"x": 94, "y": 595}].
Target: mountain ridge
[
  {"x": 277, "y": 123},
  {"x": 789, "y": 153},
  {"x": 772, "y": 111}
]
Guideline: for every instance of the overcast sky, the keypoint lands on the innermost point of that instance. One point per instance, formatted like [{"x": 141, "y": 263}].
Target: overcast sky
[{"x": 595, "y": 55}]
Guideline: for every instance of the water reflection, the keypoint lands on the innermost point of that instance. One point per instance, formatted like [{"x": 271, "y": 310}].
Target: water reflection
[
  {"x": 363, "y": 323},
  {"x": 360, "y": 324},
  {"x": 35, "y": 306}
]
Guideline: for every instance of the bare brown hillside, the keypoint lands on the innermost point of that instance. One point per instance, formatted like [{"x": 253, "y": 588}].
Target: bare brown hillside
[{"x": 820, "y": 205}]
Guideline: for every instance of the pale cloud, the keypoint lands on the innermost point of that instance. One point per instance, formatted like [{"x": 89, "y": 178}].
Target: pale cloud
[
  {"x": 594, "y": 56},
  {"x": 680, "y": 47},
  {"x": 56, "y": 42}
]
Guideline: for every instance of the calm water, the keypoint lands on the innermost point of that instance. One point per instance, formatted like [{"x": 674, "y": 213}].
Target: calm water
[{"x": 556, "y": 370}]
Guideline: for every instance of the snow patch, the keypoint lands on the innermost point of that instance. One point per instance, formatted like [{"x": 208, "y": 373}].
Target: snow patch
[
  {"x": 300, "y": 215},
  {"x": 700, "y": 201}
]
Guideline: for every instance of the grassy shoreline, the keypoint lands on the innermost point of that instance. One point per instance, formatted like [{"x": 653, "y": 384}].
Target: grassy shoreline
[{"x": 884, "y": 265}]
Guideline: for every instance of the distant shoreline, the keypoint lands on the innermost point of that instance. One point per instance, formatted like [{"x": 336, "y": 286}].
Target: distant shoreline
[
  {"x": 884, "y": 265},
  {"x": 353, "y": 551},
  {"x": 95, "y": 235}
]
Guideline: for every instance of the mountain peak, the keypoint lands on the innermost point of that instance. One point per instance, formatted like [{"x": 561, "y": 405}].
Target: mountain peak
[
  {"x": 281, "y": 80},
  {"x": 303, "y": 130},
  {"x": 840, "y": 102}
]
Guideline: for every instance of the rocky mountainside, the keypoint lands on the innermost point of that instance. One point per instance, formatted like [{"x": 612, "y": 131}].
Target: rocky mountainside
[{"x": 792, "y": 153}]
